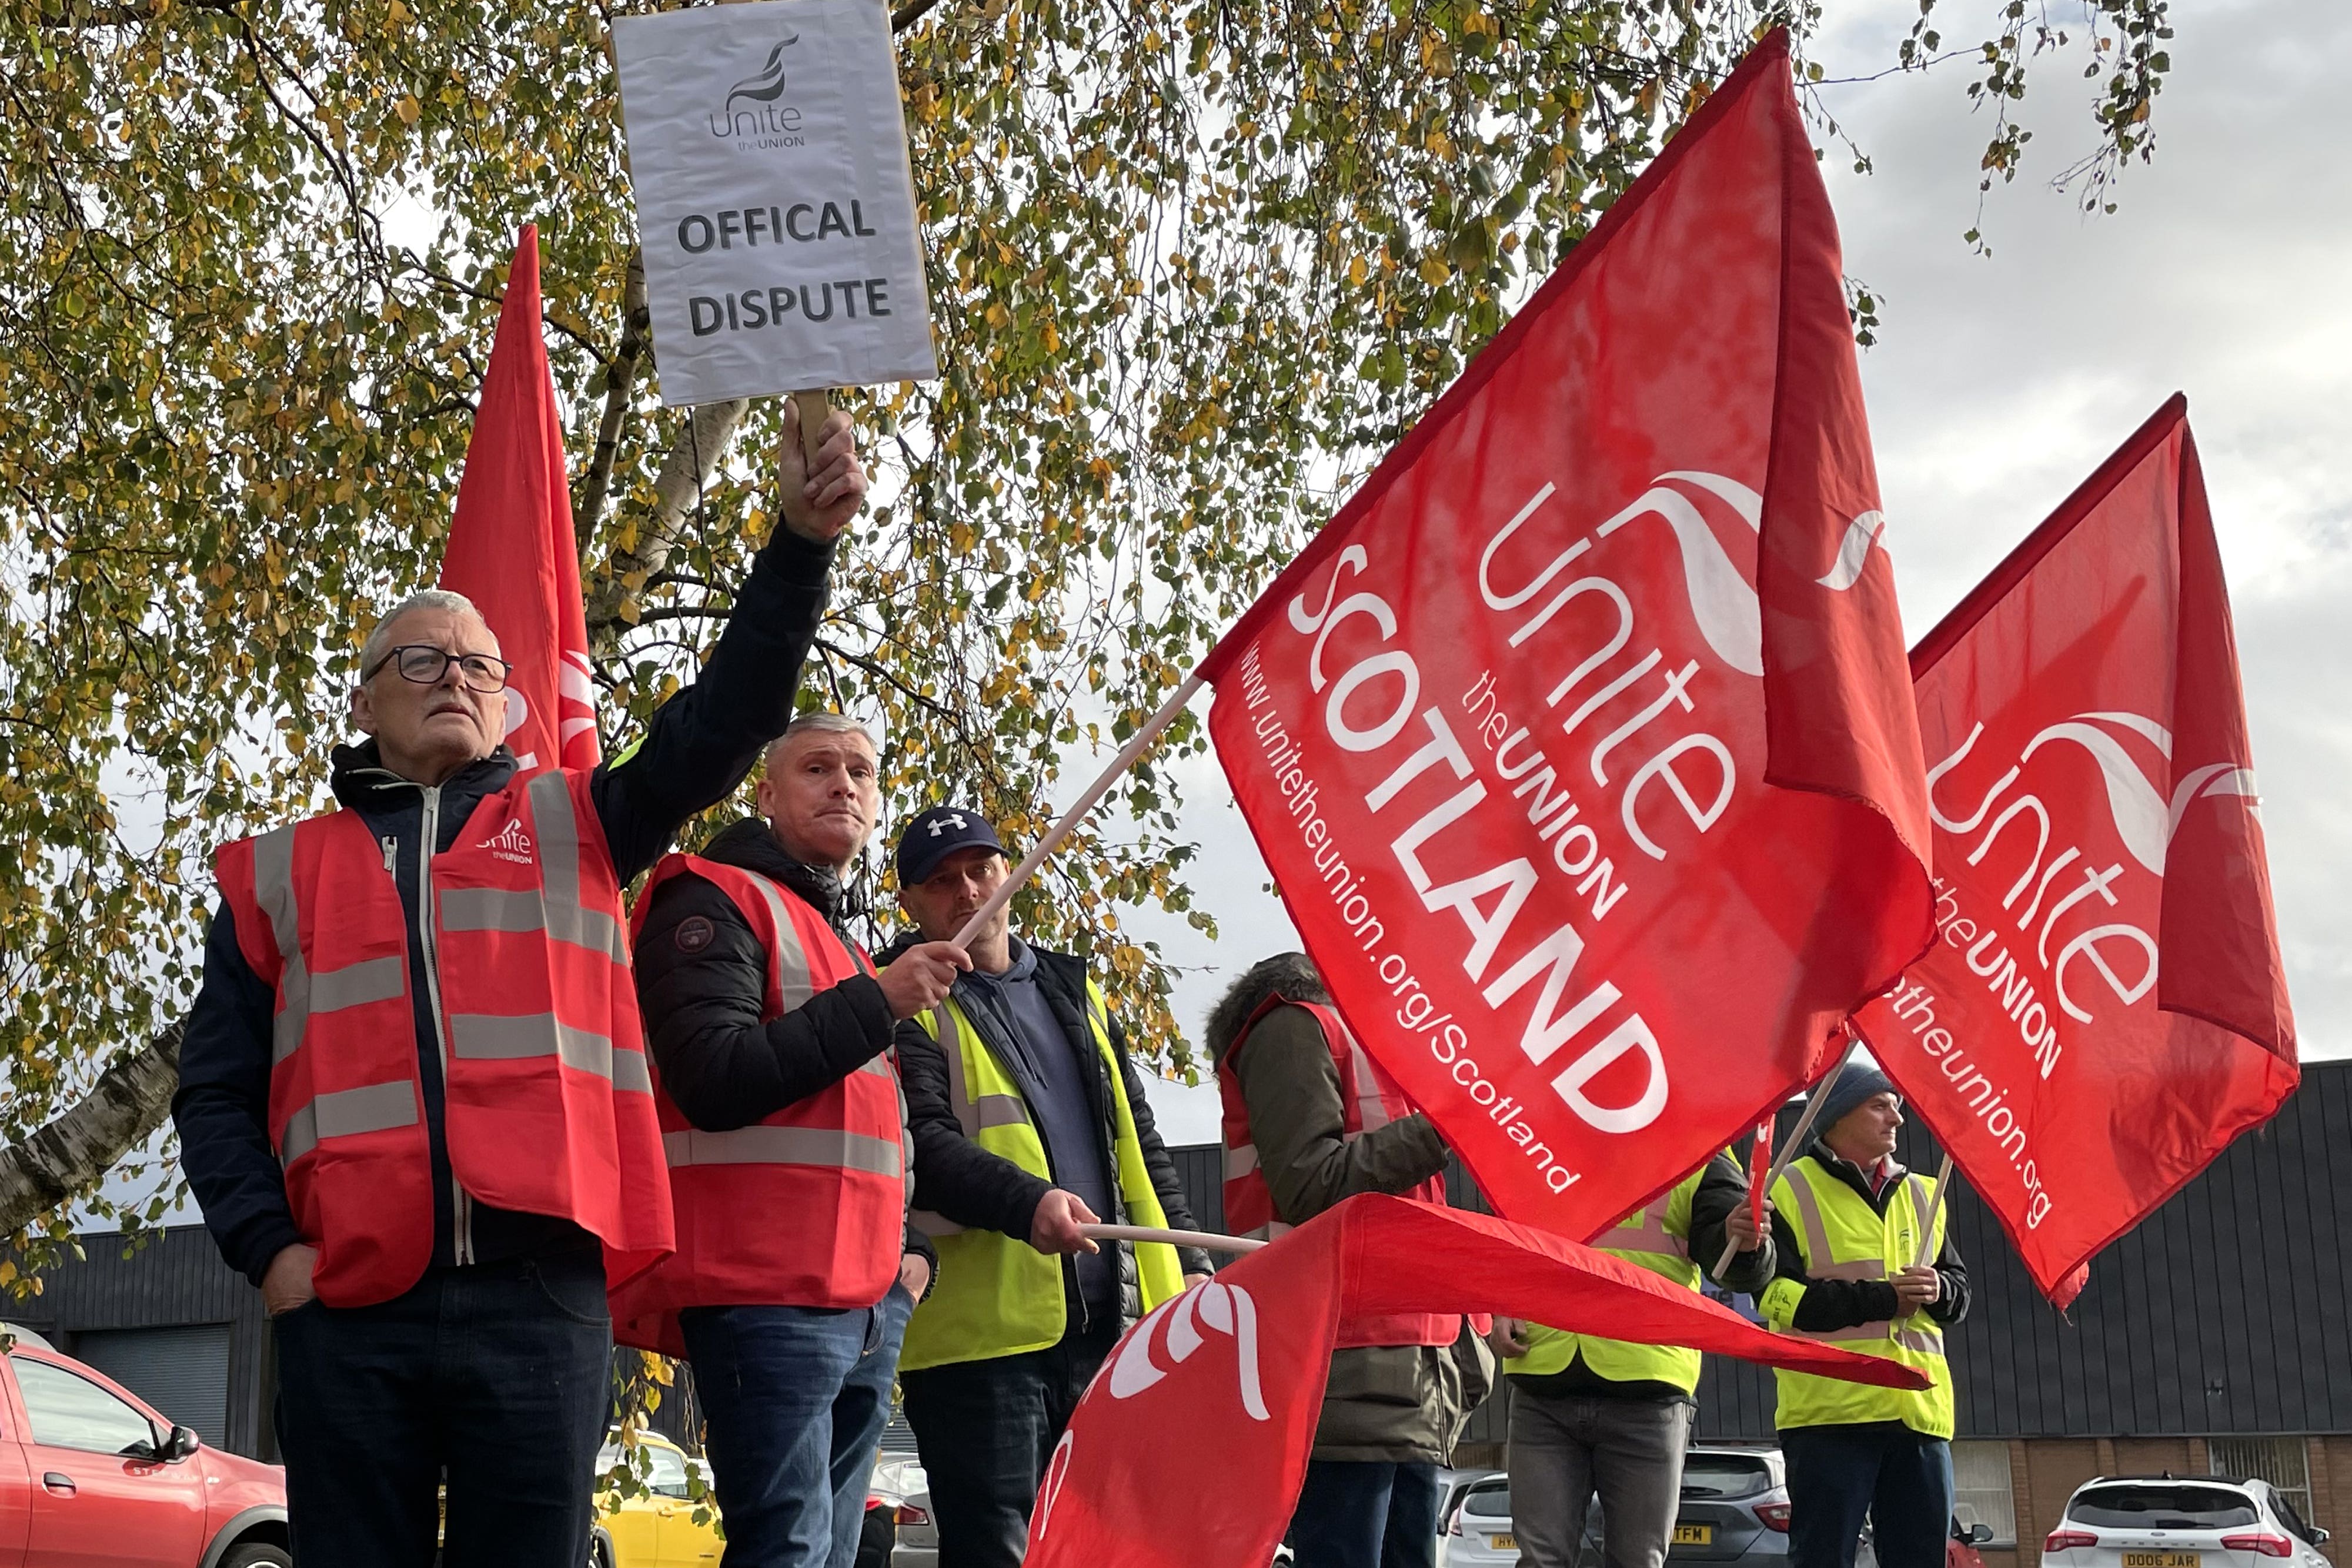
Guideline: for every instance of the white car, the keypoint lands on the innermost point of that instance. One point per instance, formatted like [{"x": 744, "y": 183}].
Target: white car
[
  {"x": 917, "y": 1542},
  {"x": 2168, "y": 1522},
  {"x": 1478, "y": 1530}
]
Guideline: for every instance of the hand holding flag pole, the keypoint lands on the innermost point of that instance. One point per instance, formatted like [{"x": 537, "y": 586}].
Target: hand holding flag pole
[{"x": 1788, "y": 1151}]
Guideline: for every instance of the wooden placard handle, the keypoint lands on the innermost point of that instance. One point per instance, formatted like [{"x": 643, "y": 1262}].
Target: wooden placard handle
[{"x": 814, "y": 408}]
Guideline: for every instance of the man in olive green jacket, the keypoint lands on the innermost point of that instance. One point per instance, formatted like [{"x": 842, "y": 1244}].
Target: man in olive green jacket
[{"x": 1390, "y": 1413}]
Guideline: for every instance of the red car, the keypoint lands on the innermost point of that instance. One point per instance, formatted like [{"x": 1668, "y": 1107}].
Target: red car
[{"x": 90, "y": 1474}]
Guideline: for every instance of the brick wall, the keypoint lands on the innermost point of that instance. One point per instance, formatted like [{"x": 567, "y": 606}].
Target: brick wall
[
  {"x": 2331, "y": 1493},
  {"x": 2044, "y": 1473}
]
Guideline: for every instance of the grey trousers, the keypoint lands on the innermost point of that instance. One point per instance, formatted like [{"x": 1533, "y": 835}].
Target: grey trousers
[{"x": 1563, "y": 1450}]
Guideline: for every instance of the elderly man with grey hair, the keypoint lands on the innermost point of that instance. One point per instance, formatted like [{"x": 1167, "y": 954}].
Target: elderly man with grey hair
[
  {"x": 771, "y": 1031},
  {"x": 413, "y": 1101}
]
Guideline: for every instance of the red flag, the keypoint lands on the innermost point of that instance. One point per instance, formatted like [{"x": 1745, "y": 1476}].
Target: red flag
[
  {"x": 1237, "y": 1365},
  {"x": 1580, "y": 741},
  {"x": 511, "y": 549},
  {"x": 2106, "y": 1008}
]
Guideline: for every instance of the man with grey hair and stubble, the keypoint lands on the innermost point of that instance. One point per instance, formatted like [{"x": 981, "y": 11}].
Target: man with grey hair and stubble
[
  {"x": 785, "y": 1131},
  {"x": 414, "y": 1099}
]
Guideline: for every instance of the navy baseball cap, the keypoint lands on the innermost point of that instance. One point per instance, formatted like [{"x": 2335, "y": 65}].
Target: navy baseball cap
[{"x": 938, "y": 833}]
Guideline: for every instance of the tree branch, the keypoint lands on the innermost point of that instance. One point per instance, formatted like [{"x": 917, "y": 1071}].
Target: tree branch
[
  {"x": 126, "y": 14},
  {"x": 620, "y": 381},
  {"x": 907, "y": 16},
  {"x": 683, "y": 613},
  {"x": 66, "y": 1158},
  {"x": 710, "y": 427}
]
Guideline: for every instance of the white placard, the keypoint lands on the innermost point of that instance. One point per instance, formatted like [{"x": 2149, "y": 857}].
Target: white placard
[{"x": 774, "y": 201}]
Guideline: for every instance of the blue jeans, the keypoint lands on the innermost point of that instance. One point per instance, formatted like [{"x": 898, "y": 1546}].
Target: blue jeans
[
  {"x": 1898, "y": 1478},
  {"x": 498, "y": 1374},
  {"x": 794, "y": 1400},
  {"x": 1359, "y": 1514}
]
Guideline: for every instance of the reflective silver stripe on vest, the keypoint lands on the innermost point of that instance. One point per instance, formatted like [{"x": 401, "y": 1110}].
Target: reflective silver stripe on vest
[
  {"x": 301, "y": 993},
  {"x": 989, "y": 1110},
  {"x": 1371, "y": 1110},
  {"x": 825, "y": 1146},
  {"x": 356, "y": 984},
  {"x": 1921, "y": 1204},
  {"x": 1643, "y": 1231},
  {"x": 372, "y": 1108},
  {"x": 1240, "y": 1161},
  {"x": 1267, "y": 1232},
  {"x": 934, "y": 1225},
  {"x": 517, "y": 909},
  {"x": 567, "y": 918},
  {"x": 630, "y": 1071},
  {"x": 792, "y": 985},
  {"x": 273, "y": 889},
  {"x": 493, "y": 1037}
]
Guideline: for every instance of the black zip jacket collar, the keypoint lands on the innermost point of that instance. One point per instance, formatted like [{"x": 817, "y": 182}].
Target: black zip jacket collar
[
  {"x": 751, "y": 844},
  {"x": 1854, "y": 1176},
  {"x": 362, "y": 781}
]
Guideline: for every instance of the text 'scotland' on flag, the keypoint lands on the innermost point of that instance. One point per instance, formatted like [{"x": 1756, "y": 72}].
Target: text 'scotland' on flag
[{"x": 1581, "y": 742}]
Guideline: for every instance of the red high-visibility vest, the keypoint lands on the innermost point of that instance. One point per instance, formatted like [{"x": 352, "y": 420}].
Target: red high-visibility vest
[
  {"x": 806, "y": 1207},
  {"x": 547, "y": 1105},
  {"x": 1368, "y": 1098}
]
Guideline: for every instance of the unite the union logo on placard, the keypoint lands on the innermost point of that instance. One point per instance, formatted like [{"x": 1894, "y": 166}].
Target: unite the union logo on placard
[{"x": 753, "y": 113}]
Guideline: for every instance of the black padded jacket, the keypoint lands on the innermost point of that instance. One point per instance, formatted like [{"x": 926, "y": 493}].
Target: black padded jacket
[{"x": 702, "y": 982}]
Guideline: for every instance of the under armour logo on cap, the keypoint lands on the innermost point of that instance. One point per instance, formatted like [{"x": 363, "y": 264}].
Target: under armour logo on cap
[{"x": 937, "y": 834}]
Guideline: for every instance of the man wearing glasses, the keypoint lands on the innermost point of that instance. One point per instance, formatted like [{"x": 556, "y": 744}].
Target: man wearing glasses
[{"x": 413, "y": 1101}]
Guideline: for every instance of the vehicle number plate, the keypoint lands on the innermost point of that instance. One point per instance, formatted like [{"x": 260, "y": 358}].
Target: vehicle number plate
[
  {"x": 1694, "y": 1535},
  {"x": 2161, "y": 1559},
  {"x": 1505, "y": 1543}
]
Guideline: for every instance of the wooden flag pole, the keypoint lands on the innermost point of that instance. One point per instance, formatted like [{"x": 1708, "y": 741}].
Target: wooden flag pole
[
  {"x": 1935, "y": 1208},
  {"x": 1135, "y": 748},
  {"x": 1789, "y": 1151},
  {"x": 815, "y": 407},
  {"x": 1207, "y": 1241}
]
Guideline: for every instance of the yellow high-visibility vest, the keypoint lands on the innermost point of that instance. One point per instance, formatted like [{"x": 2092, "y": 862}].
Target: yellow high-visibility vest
[
  {"x": 1842, "y": 1237},
  {"x": 996, "y": 1294},
  {"x": 1657, "y": 1237}
]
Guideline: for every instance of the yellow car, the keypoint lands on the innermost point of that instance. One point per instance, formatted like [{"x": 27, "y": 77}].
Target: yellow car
[{"x": 657, "y": 1528}]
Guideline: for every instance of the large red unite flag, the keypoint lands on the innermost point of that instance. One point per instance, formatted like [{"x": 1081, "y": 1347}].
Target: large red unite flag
[
  {"x": 511, "y": 549},
  {"x": 2106, "y": 1007},
  {"x": 1235, "y": 1371},
  {"x": 1581, "y": 742}
]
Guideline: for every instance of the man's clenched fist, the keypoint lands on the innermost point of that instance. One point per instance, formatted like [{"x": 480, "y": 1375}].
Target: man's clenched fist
[{"x": 920, "y": 976}]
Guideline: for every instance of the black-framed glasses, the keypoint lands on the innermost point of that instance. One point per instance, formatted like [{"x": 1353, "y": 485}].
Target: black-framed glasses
[{"x": 425, "y": 664}]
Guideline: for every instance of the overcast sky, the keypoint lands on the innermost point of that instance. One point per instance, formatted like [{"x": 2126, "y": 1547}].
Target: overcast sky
[{"x": 1999, "y": 383}]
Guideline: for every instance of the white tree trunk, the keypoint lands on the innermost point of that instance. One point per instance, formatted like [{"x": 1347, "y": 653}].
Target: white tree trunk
[{"x": 66, "y": 1158}]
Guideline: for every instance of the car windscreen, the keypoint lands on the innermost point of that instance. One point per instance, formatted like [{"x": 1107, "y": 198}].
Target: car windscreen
[
  {"x": 2159, "y": 1506},
  {"x": 1706, "y": 1477},
  {"x": 1488, "y": 1502}
]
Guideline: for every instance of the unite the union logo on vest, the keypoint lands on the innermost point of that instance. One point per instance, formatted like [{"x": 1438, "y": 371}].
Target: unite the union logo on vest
[{"x": 509, "y": 843}]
